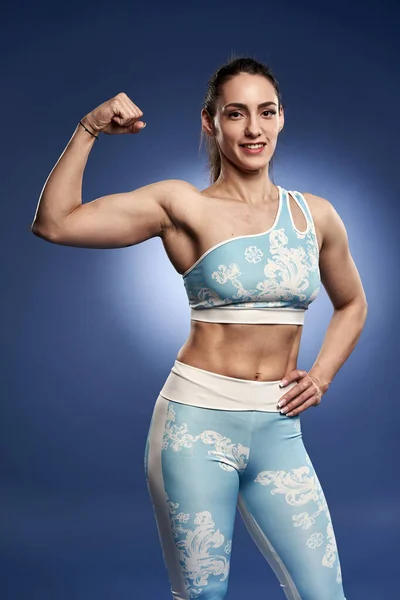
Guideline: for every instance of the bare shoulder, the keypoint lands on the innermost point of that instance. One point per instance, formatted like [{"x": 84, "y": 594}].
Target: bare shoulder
[
  {"x": 174, "y": 187},
  {"x": 326, "y": 217},
  {"x": 181, "y": 202},
  {"x": 318, "y": 205},
  {"x": 339, "y": 274}
]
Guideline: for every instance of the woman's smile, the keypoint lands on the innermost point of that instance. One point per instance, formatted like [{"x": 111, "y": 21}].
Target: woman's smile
[{"x": 254, "y": 149}]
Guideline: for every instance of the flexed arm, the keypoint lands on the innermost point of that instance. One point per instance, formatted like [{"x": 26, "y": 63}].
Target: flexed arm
[{"x": 113, "y": 221}]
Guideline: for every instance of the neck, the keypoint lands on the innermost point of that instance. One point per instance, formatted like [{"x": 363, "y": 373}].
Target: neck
[{"x": 254, "y": 188}]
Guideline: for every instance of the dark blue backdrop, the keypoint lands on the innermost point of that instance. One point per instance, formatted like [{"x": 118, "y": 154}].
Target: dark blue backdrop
[{"x": 89, "y": 336}]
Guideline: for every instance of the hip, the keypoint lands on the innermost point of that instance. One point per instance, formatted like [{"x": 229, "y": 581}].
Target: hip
[{"x": 191, "y": 385}]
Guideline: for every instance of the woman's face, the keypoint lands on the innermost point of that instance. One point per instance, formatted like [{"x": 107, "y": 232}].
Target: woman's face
[{"x": 255, "y": 120}]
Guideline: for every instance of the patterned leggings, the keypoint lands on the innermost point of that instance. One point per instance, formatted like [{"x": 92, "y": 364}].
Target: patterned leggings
[{"x": 218, "y": 442}]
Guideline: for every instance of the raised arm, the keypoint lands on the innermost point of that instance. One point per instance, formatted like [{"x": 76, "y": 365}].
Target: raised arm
[
  {"x": 121, "y": 220},
  {"x": 112, "y": 221}
]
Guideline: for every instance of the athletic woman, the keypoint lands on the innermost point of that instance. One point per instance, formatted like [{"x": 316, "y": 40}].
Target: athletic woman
[{"x": 225, "y": 430}]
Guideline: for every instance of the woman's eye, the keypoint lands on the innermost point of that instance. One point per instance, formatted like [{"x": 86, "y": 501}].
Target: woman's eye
[{"x": 236, "y": 112}]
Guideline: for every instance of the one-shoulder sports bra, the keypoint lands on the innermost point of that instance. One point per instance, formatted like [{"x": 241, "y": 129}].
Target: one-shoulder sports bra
[{"x": 269, "y": 277}]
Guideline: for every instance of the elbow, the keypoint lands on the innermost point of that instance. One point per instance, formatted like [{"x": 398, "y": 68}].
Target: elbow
[
  {"x": 357, "y": 304},
  {"x": 361, "y": 310},
  {"x": 38, "y": 231},
  {"x": 42, "y": 233}
]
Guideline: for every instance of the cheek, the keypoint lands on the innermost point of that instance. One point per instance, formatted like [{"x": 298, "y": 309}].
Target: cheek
[
  {"x": 228, "y": 149},
  {"x": 228, "y": 141}
]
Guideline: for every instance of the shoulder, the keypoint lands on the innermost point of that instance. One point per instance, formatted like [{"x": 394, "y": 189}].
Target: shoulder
[
  {"x": 318, "y": 205},
  {"x": 180, "y": 200},
  {"x": 325, "y": 216},
  {"x": 174, "y": 189}
]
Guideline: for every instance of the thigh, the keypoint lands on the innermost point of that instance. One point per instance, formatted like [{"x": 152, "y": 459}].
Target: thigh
[
  {"x": 191, "y": 470},
  {"x": 284, "y": 508}
]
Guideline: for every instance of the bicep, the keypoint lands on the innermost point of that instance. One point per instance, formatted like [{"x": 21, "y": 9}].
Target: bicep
[
  {"x": 120, "y": 220},
  {"x": 339, "y": 274}
]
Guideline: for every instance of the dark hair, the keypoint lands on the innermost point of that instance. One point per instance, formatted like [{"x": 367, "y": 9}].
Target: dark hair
[{"x": 219, "y": 78}]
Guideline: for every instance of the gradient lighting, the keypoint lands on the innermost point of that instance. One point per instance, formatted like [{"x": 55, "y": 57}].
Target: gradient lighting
[{"x": 148, "y": 300}]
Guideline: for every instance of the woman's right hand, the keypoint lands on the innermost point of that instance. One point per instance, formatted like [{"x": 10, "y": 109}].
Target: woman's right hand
[{"x": 117, "y": 115}]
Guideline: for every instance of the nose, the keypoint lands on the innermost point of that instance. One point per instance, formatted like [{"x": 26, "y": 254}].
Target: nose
[{"x": 253, "y": 129}]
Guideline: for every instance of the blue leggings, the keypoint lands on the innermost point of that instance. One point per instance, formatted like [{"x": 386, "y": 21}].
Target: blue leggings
[{"x": 218, "y": 442}]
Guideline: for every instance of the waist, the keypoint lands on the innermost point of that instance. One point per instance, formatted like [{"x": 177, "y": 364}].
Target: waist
[
  {"x": 190, "y": 385},
  {"x": 228, "y": 314},
  {"x": 256, "y": 352}
]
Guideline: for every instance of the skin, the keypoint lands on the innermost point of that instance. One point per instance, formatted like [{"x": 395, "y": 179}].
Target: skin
[
  {"x": 265, "y": 352},
  {"x": 243, "y": 201}
]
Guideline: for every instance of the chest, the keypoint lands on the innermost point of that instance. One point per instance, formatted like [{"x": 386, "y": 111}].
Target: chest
[{"x": 210, "y": 225}]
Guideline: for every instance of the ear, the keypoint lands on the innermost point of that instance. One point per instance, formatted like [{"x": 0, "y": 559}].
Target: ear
[
  {"x": 281, "y": 119},
  {"x": 207, "y": 122}
]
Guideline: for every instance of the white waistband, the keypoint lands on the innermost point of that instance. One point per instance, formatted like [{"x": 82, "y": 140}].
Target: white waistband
[
  {"x": 190, "y": 385},
  {"x": 227, "y": 314}
]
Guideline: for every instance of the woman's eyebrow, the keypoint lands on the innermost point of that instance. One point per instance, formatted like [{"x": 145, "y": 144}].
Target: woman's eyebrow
[{"x": 240, "y": 105}]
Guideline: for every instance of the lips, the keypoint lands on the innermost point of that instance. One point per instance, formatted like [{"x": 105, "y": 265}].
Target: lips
[{"x": 253, "y": 151}]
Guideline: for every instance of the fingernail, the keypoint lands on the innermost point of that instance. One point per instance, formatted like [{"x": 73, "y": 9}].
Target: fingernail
[{"x": 283, "y": 383}]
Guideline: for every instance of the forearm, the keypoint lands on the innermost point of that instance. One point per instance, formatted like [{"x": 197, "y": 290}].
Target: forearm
[
  {"x": 340, "y": 340},
  {"x": 62, "y": 192}
]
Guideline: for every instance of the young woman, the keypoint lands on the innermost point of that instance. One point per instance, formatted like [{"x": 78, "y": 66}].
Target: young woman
[{"x": 252, "y": 256}]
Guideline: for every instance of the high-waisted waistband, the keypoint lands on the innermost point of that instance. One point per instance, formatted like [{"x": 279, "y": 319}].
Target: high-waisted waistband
[{"x": 190, "y": 385}]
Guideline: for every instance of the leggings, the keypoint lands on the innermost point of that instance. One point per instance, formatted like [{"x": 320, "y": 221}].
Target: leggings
[{"x": 216, "y": 443}]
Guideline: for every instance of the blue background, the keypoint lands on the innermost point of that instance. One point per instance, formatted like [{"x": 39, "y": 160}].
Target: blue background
[{"x": 89, "y": 336}]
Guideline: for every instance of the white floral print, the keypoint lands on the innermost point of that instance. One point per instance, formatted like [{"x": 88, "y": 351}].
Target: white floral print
[
  {"x": 194, "y": 545},
  {"x": 281, "y": 270},
  {"x": 253, "y": 254},
  {"x": 301, "y": 486},
  {"x": 230, "y": 456}
]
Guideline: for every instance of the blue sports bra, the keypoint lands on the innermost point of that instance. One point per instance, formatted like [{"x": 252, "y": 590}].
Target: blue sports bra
[{"x": 269, "y": 277}]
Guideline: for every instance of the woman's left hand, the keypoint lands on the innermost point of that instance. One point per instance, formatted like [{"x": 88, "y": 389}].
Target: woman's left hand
[{"x": 307, "y": 392}]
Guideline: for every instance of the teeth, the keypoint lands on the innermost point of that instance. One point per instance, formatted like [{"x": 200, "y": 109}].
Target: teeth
[{"x": 253, "y": 145}]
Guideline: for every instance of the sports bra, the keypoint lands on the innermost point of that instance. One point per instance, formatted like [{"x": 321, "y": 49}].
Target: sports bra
[{"x": 268, "y": 277}]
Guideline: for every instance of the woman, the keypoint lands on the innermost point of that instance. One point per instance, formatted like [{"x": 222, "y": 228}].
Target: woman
[{"x": 253, "y": 257}]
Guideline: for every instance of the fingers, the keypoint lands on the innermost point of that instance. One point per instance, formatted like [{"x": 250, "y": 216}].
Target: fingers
[
  {"x": 302, "y": 386},
  {"x": 117, "y": 115},
  {"x": 302, "y": 395},
  {"x": 139, "y": 125},
  {"x": 132, "y": 113},
  {"x": 292, "y": 376},
  {"x": 295, "y": 407}
]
